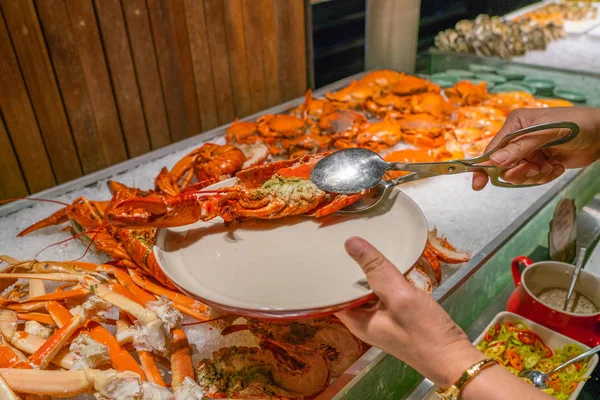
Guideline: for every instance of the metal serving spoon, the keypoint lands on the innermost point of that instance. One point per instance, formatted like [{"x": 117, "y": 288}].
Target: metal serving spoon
[
  {"x": 539, "y": 378},
  {"x": 576, "y": 271},
  {"x": 359, "y": 170}
]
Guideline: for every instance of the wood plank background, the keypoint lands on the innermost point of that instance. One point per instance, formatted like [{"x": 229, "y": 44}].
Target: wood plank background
[{"x": 85, "y": 84}]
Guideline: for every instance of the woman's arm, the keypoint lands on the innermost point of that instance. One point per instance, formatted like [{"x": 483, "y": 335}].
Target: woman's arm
[{"x": 407, "y": 323}]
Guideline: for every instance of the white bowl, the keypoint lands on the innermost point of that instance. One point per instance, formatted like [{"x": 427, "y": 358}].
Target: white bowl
[{"x": 552, "y": 339}]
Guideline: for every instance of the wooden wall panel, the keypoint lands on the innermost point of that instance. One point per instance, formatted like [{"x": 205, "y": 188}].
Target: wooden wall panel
[
  {"x": 214, "y": 12},
  {"x": 269, "y": 34},
  {"x": 144, "y": 57},
  {"x": 93, "y": 63},
  {"x": 122, "y": 72},
  {"x": 254, "y": 55},
  {"x": 234, "y": 22},
  {"x": 205, "y": 86},
  {"x": 71, "y": 80},
  {"x": 12, "y": 182},
  {"x": 85, "y": 84},
  {"x": 20, "y": 119},
  {"x": 28, "y": 42}
]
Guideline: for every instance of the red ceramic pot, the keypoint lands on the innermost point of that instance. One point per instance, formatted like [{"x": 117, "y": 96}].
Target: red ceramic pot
[{"x": 551, "y": 274}]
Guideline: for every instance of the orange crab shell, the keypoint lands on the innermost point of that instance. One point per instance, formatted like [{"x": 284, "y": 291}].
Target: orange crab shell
[
  {"x": 344, "y": 123},
  {"x": 383, "y": 78},
  {"x": 466, "y": 93},
  {"x": 380, "y": 135},
  {"x": 409, "y": 85},
  {"x": 280, "y": 125},
  {"x": 356, "y": 93},
  {"x": 242, "y": 132},
  {"x": 510, "y": 101},
  {"x": 431, "y": 103}
]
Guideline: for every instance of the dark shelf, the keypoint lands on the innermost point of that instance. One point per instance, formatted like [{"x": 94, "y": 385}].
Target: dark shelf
[
  {"x": 328, "y": 52},
  {"x": 344, "y": 20}
]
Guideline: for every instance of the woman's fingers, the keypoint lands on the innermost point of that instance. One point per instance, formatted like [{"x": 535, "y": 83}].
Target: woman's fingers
[{"x": 384, "y": 278}]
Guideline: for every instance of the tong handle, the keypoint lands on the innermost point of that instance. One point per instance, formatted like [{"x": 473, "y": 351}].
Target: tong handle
[{"x": 573, "y": 127}]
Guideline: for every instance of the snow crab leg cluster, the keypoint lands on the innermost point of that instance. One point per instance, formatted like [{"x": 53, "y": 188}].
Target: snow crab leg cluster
[{"x": 64, "y": 348}]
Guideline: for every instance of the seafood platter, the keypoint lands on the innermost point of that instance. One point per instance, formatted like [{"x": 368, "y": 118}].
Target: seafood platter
[
  {"x": 531, "y": 28},
  {"x": 87, "y": 308}
]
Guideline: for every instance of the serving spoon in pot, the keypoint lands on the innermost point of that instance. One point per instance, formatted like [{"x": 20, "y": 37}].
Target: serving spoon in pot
[
  {"x": 360, "y": 170},
  {"x": 539, "y": 378}
]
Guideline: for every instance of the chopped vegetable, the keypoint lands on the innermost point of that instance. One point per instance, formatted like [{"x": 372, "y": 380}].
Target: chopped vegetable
[{"x": 517, "y": 348}]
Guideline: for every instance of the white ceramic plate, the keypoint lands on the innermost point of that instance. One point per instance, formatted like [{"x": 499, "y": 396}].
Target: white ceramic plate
[{"x": 288, "y": 267}]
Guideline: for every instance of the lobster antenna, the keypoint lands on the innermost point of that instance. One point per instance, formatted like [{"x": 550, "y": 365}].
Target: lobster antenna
[
  {"x": 33, "y": 199},
  {"x": 91, "y": 241}
]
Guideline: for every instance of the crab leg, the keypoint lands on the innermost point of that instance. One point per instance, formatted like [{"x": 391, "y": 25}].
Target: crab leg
[
  {"x": 61, "y": 384},
  {"x": 27, "y": 343},
  {"x": 42, "y": 357},
  {"x": 60, "y": 277},
  {"x": 181, "y": 359},
  {"x": 120, "y": 358},
  {"x": 123, "y": 303},
  {"x": 9, "y": 356},
  {"x": 6, "y": 392},
  {"x": 146, "y": 358},
  {"x": 38, "y": 317},
  {"x": 25, "y": 307},
  {"x": 175, "y": 297}
]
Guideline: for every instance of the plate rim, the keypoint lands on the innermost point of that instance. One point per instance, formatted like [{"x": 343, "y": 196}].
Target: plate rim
[{"x": 287, "y": 313}]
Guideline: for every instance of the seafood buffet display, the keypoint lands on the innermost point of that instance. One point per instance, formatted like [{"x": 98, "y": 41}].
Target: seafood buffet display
[
  {"x": 501, "y": 37},
  {"x": 72, "y": 327}
]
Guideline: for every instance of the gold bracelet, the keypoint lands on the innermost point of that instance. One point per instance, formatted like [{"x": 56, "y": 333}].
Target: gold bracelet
[{"x": 454, "y": 391}]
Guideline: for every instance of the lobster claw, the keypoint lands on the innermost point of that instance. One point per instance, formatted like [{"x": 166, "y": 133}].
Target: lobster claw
[
  {"x": 161, "y": 212},
  {"x": 136, "y": 211}
]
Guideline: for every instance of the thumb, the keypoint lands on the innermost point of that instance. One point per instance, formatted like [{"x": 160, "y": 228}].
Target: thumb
[{"x": 384, "y": 278}]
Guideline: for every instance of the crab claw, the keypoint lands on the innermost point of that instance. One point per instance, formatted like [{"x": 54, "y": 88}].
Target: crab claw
[{"x": 161, "y": 212}]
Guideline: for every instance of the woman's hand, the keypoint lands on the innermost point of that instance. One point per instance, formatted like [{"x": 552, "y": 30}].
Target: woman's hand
[
  {"x": 535, "y": 166},
  {"x": 407, "y": 322}
]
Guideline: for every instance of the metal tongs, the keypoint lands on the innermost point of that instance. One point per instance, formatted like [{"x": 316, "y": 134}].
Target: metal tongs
[{"x": 361, "y": 170}]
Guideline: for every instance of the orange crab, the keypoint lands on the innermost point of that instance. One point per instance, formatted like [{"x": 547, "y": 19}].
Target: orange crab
[
  {"x": 466, "y": 93},
  {"x": 342, "y": 124},
  {"x": 354, "y": 94},
  {"x": 313, "y": 109},
  {"x": 408, "y": 85},
  {"x": 379, "y": 135},
  {"x": 306, "y": 144},
  {"x": 389, "y": 104},
  {"x": 431, "y": 103},
  {"x": 208, "y": 163},
  {"x": 423, "y": 130},
  {"x": 384, "y": 78},
  {"x": 510, "y": 101},
  {"x": 242, "y": 132}
]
